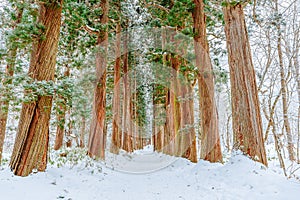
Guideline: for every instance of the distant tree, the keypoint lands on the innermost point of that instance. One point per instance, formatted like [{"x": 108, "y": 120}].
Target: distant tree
[
  {"x": 178, "y": 136},
  {"x": 61, "y": 116},
  {"x": 127, "y": 143},
  {"x": 284, "y": 93}
]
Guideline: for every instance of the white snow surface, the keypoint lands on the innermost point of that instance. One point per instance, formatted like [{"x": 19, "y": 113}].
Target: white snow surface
[{"x": 239, "y": 178}]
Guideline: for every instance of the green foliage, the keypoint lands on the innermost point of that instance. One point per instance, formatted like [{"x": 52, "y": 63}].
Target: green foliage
[
  {"x": 19, "y": 27},
  {"x": 179, "y": 14},
  {"x": 21, "y": 34},
  {"x": 76, "y": 51},
  {"x": 234, "y": 3}
]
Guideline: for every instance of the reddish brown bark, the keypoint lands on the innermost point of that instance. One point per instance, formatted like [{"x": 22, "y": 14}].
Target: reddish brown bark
[
  {"x": 246, "y": 118},
  {"x": 117, "y": 131},
  {"x": 97, "y": 138},
  {"x": 187, "y": 130},
  {"x": 82, "y": 133},
  {"x": 210, "y": 139},
  {"x": 172, "y": 138},
  {"x": 127, "y": 144},
  {"x": 160, "y": 102},
  {"x": 158, "y": 127},
  {"x": 31, "y": 144}
]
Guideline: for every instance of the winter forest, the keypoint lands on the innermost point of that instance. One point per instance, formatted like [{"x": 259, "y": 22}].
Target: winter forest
[{"x": 153, "y": 99}]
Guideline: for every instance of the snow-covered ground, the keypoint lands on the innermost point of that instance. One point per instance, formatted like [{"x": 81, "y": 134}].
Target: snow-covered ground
[{"x": 171, "y": 178}]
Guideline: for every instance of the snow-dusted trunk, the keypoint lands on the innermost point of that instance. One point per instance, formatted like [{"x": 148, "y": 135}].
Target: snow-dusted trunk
[
  {"x": 97, "y": 137},
  {"x": 210, "y": 139},
  {"x": 246, "y": 118},
  {"x": 31, "y": 144},
  {"x": 10, "y": 68}
]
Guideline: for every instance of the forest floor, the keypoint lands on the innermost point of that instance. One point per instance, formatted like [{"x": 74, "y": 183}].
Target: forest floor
[{"x": 149, "y": 176}]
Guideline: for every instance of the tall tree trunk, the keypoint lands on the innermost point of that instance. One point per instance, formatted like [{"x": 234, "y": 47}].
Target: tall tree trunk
[
  {"x": 246, "y": 118},
  {"x": 160, "y": 104},
  {"x": 61, "y": 117},
  {"x": 286, "y": 122},
  {"x": 116, "y": 129},
  {"x": 134, "y": 114},
  {"x": 127, "y": 133},
  {"x": 97, "y": 138},
  {"x": 187, "y": 130},
  {"x": 210, "y": 138},
  {"x": 10, "y": 68},
  {"x": 31, "y": 144},
  {"x": 172, "y": 138}
]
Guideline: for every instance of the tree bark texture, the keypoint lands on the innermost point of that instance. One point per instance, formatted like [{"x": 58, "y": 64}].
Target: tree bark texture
[
  {"x": 117, "y": 131},
  {"x": 127, "y": 144},
  {"x": 31, "y": 144},
  {"x": 171, "y": 137},
  {"x": 160, "y": 104},
  {"x": 246, "y": 118},
  {"x": 97, "y": 138},
  {"x": 210, "y": 138},
  {"x": 187, "y": 131}
]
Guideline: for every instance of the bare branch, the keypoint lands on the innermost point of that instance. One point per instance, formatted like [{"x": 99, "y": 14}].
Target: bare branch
[
  {"x": 90, "y": 30},
  {"x": 153, "y": 4}
]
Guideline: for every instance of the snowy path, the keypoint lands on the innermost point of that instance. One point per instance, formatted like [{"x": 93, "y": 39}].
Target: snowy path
[{"x": 240, "y": 178}]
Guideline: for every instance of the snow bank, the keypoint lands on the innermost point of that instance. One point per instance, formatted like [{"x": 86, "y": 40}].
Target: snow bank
[{"x": 239, "y": 178}]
